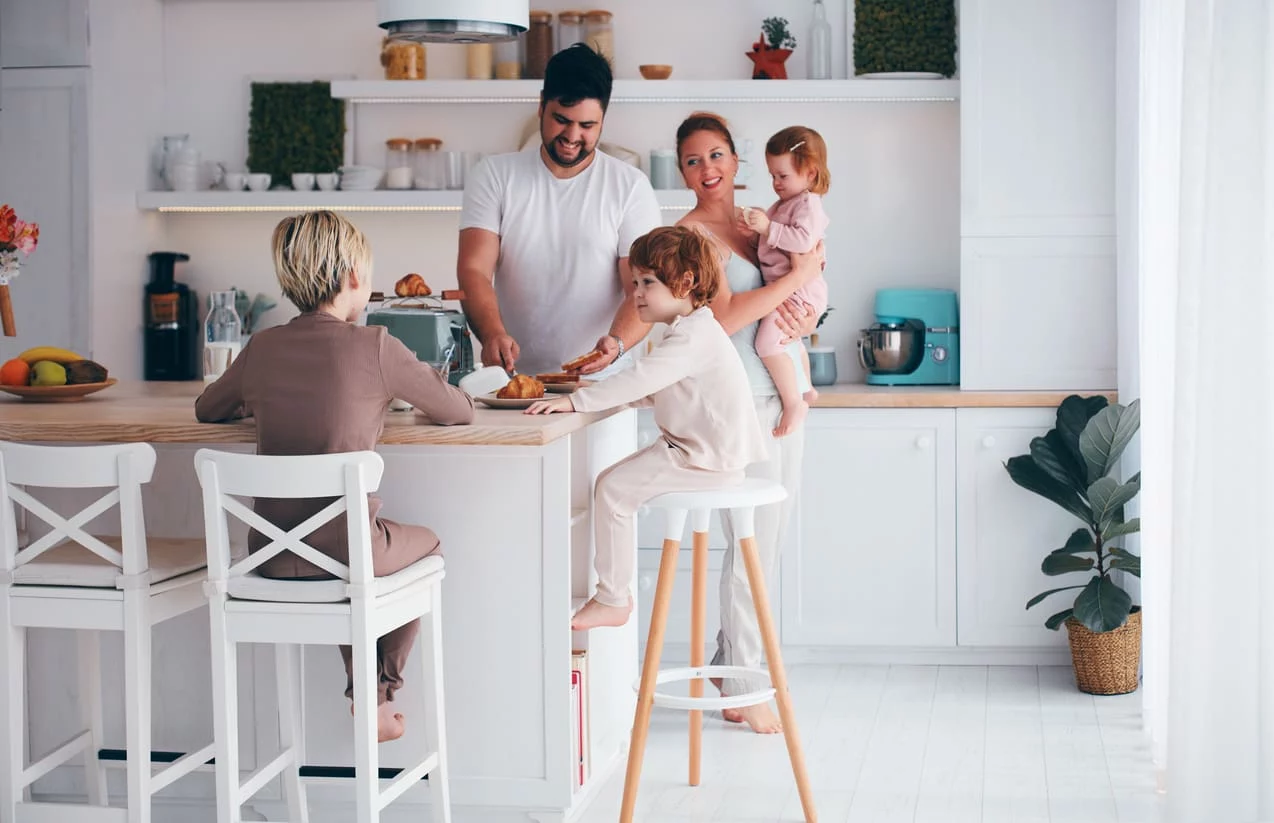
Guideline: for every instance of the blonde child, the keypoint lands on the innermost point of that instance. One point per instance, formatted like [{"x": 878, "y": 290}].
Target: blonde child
[
  {"x": 797, "y": 159},
  {"x": 321, "y": 385},
  {"x": 703, "y": 406}
]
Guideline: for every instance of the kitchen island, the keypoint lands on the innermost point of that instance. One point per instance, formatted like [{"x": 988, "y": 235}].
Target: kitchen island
[{"x": 509, "y": 496}]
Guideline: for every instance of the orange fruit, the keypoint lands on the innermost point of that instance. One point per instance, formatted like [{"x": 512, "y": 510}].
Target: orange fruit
[{"x": 15, "y": 373}]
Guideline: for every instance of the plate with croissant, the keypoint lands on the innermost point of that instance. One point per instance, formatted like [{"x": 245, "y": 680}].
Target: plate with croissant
[{"x": 521, "y": 392}]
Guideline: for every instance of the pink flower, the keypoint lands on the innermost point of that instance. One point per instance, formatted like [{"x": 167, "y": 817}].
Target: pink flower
[{"x": 26, "y": 236}]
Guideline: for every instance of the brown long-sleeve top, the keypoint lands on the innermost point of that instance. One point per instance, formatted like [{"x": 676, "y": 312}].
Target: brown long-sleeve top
[{"x": 320, "y": 385}]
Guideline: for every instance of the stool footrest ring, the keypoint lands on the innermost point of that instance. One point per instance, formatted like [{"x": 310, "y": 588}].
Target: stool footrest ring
[{"x": 734, "y": 701}]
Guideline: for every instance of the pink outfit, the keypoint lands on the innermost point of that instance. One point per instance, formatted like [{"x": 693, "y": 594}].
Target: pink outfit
[{"x": 796, "y": 225}]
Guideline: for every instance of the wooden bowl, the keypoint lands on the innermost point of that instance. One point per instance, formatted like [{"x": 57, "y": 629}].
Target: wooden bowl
[
  {"x": 58, "y": 394},
  {"x": 655, "y": 71}
]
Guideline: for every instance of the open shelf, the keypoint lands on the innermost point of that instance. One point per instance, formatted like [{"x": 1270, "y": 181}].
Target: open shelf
[
  {"x": 372, "y": 201},
  {"x": 858, "y": 90}
]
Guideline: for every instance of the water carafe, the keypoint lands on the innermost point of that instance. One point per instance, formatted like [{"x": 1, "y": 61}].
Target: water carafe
[{"x": 223, "y": 335}]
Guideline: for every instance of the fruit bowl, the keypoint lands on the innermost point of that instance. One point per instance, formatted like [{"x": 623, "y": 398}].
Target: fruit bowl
[
  {"x": 655, "y": 71},
  {"x": 58, "y": 394}
]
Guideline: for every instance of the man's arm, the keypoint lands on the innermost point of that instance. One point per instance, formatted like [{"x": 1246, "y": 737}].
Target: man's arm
[{"x": 475, "y": 275}]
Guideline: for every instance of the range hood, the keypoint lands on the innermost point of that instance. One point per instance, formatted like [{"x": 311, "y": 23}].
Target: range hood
[{"x": 453, "y": 21}]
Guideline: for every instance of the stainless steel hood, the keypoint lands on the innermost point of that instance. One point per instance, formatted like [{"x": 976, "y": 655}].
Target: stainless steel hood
[{"x": 453, "y": 21}]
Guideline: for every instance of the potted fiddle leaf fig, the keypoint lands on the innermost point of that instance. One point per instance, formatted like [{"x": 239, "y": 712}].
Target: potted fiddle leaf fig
[{"x": 1073, "y": 465}]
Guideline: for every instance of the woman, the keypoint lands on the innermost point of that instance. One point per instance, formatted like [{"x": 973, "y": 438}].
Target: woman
[{"x": 708, "y": 162}]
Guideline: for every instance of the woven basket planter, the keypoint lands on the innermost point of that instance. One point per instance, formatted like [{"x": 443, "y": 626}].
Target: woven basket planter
[{"x": 1106, "y": 662}]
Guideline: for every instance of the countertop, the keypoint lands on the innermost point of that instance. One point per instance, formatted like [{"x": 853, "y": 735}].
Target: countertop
[{"x": 137, "y": 411}]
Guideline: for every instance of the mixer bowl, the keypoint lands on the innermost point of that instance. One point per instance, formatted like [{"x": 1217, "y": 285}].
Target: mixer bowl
[{"x": 891, "y": 349}]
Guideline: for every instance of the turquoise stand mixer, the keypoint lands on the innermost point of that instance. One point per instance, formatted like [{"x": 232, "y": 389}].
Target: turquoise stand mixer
[{"x": 915, "y": 340}]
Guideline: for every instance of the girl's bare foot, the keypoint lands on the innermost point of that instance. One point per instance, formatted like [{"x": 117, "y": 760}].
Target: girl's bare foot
[
  {"x": 593, "y": 615},
  {"x": 791, "y": 418},
  {"x": 389, "y": 723},
  {"x": 810, "y": 396}
]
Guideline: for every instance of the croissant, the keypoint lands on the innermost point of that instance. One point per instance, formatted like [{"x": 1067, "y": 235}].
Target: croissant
[
  {"x": 522, "y": 387},
  {"x": 412, "y": 285}
]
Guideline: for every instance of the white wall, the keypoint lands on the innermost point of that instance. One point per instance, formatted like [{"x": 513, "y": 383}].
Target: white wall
[{"x": 894, "y": 202}]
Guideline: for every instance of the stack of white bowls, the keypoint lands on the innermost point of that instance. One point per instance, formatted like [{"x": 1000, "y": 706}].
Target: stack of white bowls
[{"x": 360, "y": 178}]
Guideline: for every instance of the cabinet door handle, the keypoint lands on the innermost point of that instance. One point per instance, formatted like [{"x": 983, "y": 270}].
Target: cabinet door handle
[
  {"x": 922, "y": 442},
  {"x": 988, "y": 442},
  {"x": 644, "y": 582}
]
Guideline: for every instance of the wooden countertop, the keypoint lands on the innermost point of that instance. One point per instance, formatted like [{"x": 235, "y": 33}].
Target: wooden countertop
[
  {"x": 138, "y": 411},
  {"x": 862, "y": 396}
]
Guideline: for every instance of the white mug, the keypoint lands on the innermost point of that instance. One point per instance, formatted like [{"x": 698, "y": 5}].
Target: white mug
[
  {"x": 234, "y": 180},
  {"x": 259, "y": 182},
  {"x": 327, "y": 182},
  {"x": 302, "y": 181}
]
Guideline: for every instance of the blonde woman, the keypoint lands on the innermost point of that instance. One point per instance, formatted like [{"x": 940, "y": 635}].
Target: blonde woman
[{"x": 320, "y": 385}]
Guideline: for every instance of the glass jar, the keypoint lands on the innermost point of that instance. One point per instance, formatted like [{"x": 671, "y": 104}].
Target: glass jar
[
  {"x": 570, "y": 29},
  {"x": 403, "y": 60},
  {"x": 479, "y": 61},
  {"x": 599, "y": 33},
  {"x": 508, "y": 60},
  {"x": 222, "y": 334},
  {"x": 664, "y": 173},
  {"x": 539, "y": 44},
  {"x": 431, "y": 170},
  {"x": 398, "y": 165}
]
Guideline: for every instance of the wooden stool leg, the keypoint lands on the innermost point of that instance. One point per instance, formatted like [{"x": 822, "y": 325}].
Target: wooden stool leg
[
  {"x": 698, "y": 616},
  {"x": 778, "y": 677},
  {"x": 649, "y": 671}
]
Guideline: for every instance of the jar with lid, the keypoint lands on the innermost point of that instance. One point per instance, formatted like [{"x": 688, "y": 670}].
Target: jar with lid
[
  {"x": 570, "y": 29},
  {"x": 508, "y": 59},
  {"x": 223, "y": 334},
  {"x": 431, "y": 169},
  {"x": 398, "y": 163},
  {"x": 599, "y": 33},
  {"x": 479, "y": 61},
  {"x": 539, "y": 44},
  {"x": 402, "y": 60}
]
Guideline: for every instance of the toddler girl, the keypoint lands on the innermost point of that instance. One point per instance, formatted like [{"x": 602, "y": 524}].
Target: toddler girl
[
  {"x": 321, "y": 385},
  {"x": 703, "y": 405},
  {"x": 797, "y": 159}
]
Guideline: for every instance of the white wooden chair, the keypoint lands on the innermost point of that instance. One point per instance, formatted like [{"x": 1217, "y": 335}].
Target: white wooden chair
[
  {"x": 354, "y": 608},
  {"x": 69, "y": 579}
]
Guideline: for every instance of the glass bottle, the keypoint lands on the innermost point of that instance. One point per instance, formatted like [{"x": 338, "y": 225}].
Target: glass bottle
[
  {"x": 508, "y": 59},
  {"x": 600, "y": 34},
  {"x": 223, "y": 334},
  {"x": 398, "y": 163},
  {"x": 479, "y": 61},
  {"x": 403, "y": 60},
  {"x": 570, "y": 29},
  {"x": 431, "y": 171},
  {"x": 820, "y": 65},
  {"x": 539, "y": 44}
]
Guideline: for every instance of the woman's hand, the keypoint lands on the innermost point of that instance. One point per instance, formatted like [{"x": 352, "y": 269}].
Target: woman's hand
[
  {"x": 561, "y": 403},
  {"x": 807, "y": 265},
  {"x": 795, "y": 319}
]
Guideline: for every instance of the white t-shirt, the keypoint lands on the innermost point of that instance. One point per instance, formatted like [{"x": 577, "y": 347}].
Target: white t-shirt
[{"x": 557, "y": 277}]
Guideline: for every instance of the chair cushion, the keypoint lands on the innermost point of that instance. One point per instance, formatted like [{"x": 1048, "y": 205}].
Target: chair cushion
[
  {"x": 253, "y": 586},
  {"x": 70, "y": 564}
]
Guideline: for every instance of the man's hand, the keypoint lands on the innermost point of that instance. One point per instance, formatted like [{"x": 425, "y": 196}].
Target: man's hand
[
  {"x": 795, "y": 319},
  {"x": 561, "y": 403},
  {"x": 610, "y": 351},
  {"x": 501, "y": 350}
]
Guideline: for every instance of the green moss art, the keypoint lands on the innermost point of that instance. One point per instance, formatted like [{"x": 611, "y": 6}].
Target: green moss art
[
  {"x": 905, "y": 35},
  {"x": 295, "y": 127}
]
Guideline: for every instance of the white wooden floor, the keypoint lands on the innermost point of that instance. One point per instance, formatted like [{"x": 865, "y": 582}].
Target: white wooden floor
[{"x": 920, "y": 744}]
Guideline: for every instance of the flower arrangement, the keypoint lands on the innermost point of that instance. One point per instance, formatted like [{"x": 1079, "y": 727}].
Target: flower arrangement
[{"x": 15, "y": 236}]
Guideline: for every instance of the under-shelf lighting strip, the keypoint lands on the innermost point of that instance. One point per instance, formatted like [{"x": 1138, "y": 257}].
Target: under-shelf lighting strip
[
  {"x": 683, "y": 99},
  {"x": 333, "y": 207}
]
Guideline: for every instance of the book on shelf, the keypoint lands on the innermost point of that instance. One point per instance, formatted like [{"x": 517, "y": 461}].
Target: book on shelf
[{"x": 580, "y": 753}]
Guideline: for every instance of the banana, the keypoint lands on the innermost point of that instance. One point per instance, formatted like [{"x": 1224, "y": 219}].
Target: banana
[{"x": 51, "y": 353}]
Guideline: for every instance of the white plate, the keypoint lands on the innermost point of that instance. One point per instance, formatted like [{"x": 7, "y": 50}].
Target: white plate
[
  {"x": 491, "y": 401},
  {"x": 902, "y": 75}
]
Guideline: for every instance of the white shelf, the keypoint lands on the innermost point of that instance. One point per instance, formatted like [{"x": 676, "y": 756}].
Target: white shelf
[
  {"x": 293, "y": 201},
  {"x": 859, "y": 90}
]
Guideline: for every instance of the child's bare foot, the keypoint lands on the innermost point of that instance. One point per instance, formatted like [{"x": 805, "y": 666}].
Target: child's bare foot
[
  {"x": 593, "y": 615},
  {"x": 759, "y": 717},
  {"x": 810, "y": 396},
  {"x": 390, "y": 724},
  {"x": 791, "y": 418}
]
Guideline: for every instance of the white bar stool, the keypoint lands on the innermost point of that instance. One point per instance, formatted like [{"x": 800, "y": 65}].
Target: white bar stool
[
  {"x": 69, "y": 579},
  {"x": 742, "y": 501},
  {"x": 354, "y": 608}
]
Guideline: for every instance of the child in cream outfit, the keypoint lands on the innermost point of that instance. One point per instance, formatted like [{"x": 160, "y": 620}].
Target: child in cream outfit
[{"x": 702, "y": 400}]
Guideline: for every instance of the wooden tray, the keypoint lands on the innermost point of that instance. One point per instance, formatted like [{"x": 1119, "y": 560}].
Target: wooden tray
[{"x": 58, "y": 394}]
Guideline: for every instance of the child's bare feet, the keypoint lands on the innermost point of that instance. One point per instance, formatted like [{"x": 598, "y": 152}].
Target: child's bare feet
[
  {"x": 791, "y": 418},
  {"x": 390, "y": 724},
  {"x": 593, "y": 615},
  {"x": 759, "y": 717},
  {"x": 810, "y": 396}
]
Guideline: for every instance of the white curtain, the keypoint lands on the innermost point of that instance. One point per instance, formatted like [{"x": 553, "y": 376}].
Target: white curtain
[{"x": 1206, "y": 257}]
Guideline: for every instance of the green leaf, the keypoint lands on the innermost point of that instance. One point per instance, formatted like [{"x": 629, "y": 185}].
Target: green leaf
[
  {"x": 1125, "y": 560},
  {"x": 1053, "y": 458},
  {"x": 1102, "y": 606},
  {"x": 1105, "y": 436},
  {"x": 1108, "y": 497},
  {"x": 1058, "y": 619},
  {"x": 1027, "y": 474},
  {"x": 1062, "y": 563},
  {"x": 1072, "y": 416},
  {"x": 1119, "y": 529},
  {"x": 1081, "y": 540},
  {"x": 1037, "y": 598}
]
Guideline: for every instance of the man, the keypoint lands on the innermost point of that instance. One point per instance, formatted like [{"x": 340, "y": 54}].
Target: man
[{"x": 545, "y": 233}]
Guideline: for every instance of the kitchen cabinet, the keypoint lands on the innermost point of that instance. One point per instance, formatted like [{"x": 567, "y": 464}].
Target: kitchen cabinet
[
  {"x": 1037, "y": 176},
  {"x": 43, "y": 33},
  {"x": 1003, "y": 532},
  {"x": 871, "y": 560}
]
